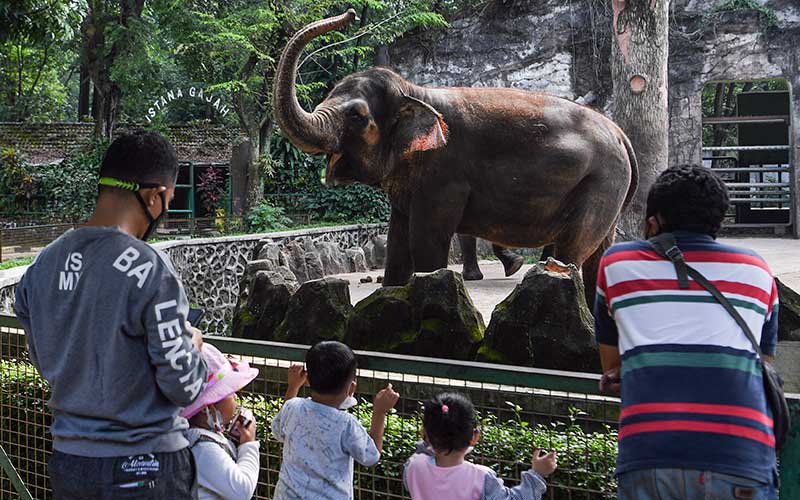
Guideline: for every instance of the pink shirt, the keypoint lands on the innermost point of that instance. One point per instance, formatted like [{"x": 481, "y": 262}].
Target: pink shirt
[{"x": 426, "y": 480}]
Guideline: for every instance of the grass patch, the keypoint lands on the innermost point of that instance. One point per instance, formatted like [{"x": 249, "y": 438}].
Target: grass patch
[{"x": 8, "y": 264}]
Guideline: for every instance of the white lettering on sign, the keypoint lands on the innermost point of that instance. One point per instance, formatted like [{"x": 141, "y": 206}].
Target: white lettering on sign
[
  {"x": 69, "y": 277},
  {"x": 124, "y": 264}
]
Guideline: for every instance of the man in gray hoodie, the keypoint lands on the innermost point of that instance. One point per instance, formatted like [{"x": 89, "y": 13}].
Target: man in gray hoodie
[{"x": 105, "y": 320}]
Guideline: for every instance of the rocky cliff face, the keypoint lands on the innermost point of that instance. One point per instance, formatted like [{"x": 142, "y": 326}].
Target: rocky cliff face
[{"x": 563, "y": 47}]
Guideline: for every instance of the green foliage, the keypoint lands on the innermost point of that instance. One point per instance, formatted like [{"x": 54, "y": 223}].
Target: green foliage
[
  {"x": 8, "y": 264},
  {"x": 769, "y": 17},
  {"x": 267, "y": 217},
  {"x": 18, "y": 179},
  {"x": 586, "y": 458},
  {"x": 355, "y": 203},
  {"x": 70, "y": 187}
]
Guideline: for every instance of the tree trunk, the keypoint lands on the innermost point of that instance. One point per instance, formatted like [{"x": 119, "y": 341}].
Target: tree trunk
[
  {"x": 639, "y": 58},
  {"x": 84, "y": 87},
  {"x": 254, "y": 186}
]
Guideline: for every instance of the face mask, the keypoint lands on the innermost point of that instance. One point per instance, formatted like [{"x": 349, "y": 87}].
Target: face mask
[
  {"x": 135, "y": 187},
  {"x": 214, "y": 419},
  {"x": 348, "y": 403}
]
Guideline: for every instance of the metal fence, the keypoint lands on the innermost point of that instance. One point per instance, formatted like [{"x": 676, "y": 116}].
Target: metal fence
[{"x": 520, "y": 408}]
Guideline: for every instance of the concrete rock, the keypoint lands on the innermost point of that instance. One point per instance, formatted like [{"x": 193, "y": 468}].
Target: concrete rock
[
  {"x": 431, "y": 316},
  {"x": 319, "y": 310},
  {"x": 544, "y": 323},
  {"x": 262, "y": 307},
  {"x": 357, "y": 260},
  {"x": 334, "y": 261},
  {"x": 788, "y": 313}
]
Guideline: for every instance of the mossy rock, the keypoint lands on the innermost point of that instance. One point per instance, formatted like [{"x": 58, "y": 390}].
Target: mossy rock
[
  {"x": 320, "y": 310},
  {"x": 788, "y": 313},
  {"x": 431, "y": 316},
  {"x": 544, "y": 323},
  {"x": 262, "y": 305}
]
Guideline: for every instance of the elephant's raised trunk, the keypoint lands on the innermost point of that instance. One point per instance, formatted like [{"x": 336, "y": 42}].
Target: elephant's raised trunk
[{"x": 316, "y": 132}]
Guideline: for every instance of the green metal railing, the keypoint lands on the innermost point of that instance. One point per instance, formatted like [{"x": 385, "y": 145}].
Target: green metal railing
[{"x": 520, "y": 408}]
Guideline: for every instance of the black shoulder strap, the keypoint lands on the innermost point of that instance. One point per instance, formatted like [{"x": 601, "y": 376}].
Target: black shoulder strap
[
  {"x": 207, "y": 439},
  {"x": 664, "y": 244}
]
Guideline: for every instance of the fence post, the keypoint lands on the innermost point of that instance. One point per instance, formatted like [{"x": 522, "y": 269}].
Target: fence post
[{"x": 12, "y": 474}]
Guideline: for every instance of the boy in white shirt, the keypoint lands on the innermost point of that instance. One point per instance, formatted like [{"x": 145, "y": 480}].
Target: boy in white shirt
[{"x": 320, "y": 441}]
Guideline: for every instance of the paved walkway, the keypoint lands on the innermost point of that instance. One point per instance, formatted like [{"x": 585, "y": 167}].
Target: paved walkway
[
  {"x": 782, "y": 255},
  {"x": 487, "y": 293}
]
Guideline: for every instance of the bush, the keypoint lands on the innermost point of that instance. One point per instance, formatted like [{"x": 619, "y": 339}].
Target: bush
[
  {"x": 586, "y": 459},
  {"x": 71, "y": 186},
  {"x": 267, "y": 217},
  {"x": 356, "y": 203}
]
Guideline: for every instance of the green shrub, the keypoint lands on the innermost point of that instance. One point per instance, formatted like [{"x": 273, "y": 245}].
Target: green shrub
[
  {"x": 8, "y": 264},
  {"x": 267, "y": 217},
  {"x": 355, "y": 203},
  {"x": 586, "y": 459}
]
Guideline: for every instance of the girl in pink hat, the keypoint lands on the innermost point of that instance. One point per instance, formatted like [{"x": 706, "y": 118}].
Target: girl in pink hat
[{"x": 224, "y": 471}]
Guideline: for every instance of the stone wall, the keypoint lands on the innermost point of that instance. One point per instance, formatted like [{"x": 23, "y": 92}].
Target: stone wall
[
  {"x": 211, "y": 268},
  {"x": 563, "y": 47},
  {"x": 50, "y": 142}
]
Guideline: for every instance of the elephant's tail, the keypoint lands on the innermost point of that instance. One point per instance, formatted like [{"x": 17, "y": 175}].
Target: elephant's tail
[{"x": 634, "y": 170}]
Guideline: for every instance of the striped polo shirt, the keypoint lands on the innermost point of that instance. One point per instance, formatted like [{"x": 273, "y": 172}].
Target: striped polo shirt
[{"x": 692, "y": 392}]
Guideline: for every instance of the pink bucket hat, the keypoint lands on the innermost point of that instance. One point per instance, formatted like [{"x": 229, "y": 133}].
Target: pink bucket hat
[{"x": 225, "y": 377}]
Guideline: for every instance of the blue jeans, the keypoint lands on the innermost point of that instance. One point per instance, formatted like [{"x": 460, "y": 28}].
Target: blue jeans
[
  {"x": 157, "y": 476},
  {"x": 686, "y": 484}
]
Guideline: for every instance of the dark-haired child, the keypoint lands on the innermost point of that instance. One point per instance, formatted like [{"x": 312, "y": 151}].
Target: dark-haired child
[
  {"x": 438, "y": 471},
  {"x": 320, "y": 441}
]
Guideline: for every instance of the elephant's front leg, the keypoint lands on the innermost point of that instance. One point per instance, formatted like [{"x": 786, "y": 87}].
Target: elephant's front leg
[
  {"x": 469, "y": 257},
  {"x": 398, "y": 252},
  {"x": 432, "y": 223}
]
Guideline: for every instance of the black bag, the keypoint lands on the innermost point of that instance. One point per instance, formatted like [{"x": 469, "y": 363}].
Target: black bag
[{"x": 664, "y": 244}]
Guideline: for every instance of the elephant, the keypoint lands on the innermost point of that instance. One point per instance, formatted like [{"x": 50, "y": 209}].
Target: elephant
[
  {"x": 469, "y": 255},
  {"x": 515, "y": 167}
]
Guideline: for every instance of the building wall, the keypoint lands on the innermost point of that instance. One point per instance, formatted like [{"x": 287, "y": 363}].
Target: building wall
[{"x": 50, "y": 142}]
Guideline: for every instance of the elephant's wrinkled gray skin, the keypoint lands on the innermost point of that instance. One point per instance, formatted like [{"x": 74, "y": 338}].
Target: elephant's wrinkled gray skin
[{"x": 517, "y": 168}]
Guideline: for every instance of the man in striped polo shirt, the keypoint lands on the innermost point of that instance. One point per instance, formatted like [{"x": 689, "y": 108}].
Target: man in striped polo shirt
[{"x": 694, "y": 423}]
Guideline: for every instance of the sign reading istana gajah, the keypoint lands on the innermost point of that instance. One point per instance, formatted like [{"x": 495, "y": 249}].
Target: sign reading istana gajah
[{"x": 192, "y": 92}]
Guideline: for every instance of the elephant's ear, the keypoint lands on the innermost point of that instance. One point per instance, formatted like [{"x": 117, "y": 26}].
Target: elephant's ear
[{"x": 420, "y": 127}]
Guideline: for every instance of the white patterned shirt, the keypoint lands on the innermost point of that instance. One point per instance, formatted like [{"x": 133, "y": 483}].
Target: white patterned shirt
[{"x": 320, "y": 444}]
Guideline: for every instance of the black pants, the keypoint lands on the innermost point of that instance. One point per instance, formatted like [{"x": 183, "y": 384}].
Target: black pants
[{"x": 155, "y": 476}]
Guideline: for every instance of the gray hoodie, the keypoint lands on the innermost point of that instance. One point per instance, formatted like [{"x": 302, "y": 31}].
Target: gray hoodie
[{"x": 104, "y": 319}]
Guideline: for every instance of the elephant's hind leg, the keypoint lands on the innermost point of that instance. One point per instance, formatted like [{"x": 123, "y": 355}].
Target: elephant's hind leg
[{"x": 512, "y": 262}]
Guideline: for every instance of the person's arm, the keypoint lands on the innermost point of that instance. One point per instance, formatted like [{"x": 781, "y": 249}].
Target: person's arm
[
  {"x": 297, "y": 377},
  {"x": 531, "y": 487},
  {"x": 172, "y": 347},
  {"x": 607, "y": 336},
  {"x": 22, "y": 313},
  {"x": 231, "y": 480},
  {"x": 769, "y": 332},
  {"x": 384, "y": 402}
]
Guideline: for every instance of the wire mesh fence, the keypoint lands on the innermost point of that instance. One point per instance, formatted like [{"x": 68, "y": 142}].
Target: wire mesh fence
[{"x": 520, "y": 409}]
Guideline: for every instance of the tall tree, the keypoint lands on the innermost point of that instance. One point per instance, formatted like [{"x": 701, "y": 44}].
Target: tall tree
[
  {"x": 35, "y": 38},
  {"x": 232, "y": 47},
  {"x": 110, "y": 32},
  {"x": 639, "y": 58}
]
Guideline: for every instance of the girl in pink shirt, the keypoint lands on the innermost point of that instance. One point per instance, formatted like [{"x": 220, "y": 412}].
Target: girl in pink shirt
[{"x": 438, "y": 471}]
